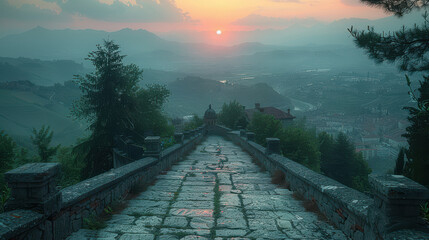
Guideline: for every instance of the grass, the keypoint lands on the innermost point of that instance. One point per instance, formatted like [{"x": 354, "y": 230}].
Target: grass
[
  {"x": 138, "y": 214},
  {"x": 279, "y": 178},
  {"x": 94, "y": 222},
  {"x": 425, "y": 211},
  {"x": 259, "y": 164},
  {"x": 216, "y": 210},
  {"x": 4, "y": 197},
  {"x": 310, "y": 206},
  {"x": 138, "y": 188},
  {"x": 240, "y": 197}
]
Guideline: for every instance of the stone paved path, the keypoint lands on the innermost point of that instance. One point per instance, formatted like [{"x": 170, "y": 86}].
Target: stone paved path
[{"x": 215, "y": 193}]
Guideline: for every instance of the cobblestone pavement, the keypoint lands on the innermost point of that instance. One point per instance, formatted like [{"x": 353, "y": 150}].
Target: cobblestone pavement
[{"x": 215, "y": 193}]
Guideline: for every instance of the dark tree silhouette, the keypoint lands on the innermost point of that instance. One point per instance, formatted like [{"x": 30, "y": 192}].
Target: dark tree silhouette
[
  {"x": 42, "y": 139},
  {"x": 400, "y": 162},
  {"x": 107, "y": 103}
]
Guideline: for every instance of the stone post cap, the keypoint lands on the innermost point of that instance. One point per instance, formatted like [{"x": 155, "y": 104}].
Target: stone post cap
[
  {"x": 32, "y": 172},
  {"x": 152, "y": 139},
  {"x": 178, "y": 137},
  {"x": 272, "y": 139},
  {"x": 273, "y": 146},
  {"x": 397, "y": 187}
]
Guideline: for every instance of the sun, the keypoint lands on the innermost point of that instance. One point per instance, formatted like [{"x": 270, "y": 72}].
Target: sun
[{"x": 218, "y": 32}]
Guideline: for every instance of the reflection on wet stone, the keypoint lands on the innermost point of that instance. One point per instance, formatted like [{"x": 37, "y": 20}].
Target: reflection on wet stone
[{"x": 182, "y": 202}]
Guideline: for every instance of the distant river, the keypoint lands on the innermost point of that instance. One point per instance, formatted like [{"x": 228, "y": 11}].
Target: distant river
[{"x": 302, "y": 106}]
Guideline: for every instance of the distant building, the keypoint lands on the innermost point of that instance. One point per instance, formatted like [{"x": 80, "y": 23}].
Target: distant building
[
  {"x": 284, "y": 117},
  {"x": 210, "y": 116}
]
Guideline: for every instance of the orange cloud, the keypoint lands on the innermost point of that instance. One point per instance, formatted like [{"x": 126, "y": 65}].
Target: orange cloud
[{"x": 41, "y": 4}]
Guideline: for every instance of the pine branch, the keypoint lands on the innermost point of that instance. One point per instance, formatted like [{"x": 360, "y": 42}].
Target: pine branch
[
  {"x": 408, "y": 46},
  {"x": 398, "y": 7}
]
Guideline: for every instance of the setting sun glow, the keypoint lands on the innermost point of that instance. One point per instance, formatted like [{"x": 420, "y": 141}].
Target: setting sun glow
[{"x": 218, "y": 32}]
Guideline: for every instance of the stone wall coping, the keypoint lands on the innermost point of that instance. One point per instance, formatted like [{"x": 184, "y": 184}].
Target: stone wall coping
[
  {"x": 397, "y": 187},
  {"x": 32, "y": 172},
  {"x": 14, "y": 222},
  {"x": 152, "y": 139},
  {"x": 348, "y": 198},
  {"x": 170, "y": 150},
  {"x": 88, "y": 187}
]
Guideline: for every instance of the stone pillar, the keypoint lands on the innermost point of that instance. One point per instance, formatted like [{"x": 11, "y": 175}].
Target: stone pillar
[
  {"x": 178, "y": 138},
  {"x": 250, "y": 136},
  {"x": 34, "y": 186},
  {"x": 153, "y": 146},
  {"x": 187, "y": 134},
  {"x": 273, "y": 146},
  {"x": 242, "y": 133},
  {"x": 397, "y": 202}
]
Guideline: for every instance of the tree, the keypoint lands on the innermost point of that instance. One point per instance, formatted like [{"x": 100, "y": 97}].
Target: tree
[
  {"x": 264, "y": 126},
  {"x": 7, "y": 156},
  {"x": 107, "y": 103},
  {"x": 148, "y": 114},
  {"x": 417, "y": 166},
  {"x": 7, "y": 151},
  {"x": 300, "y": 145},
  {"x": 410, "y": 47},
  {"x": 42, "y": 139},
  {"x": 71, "y": 167},
  {"x": 400, "y": 162},
  {"x": 233, "y": 115},
  {"x": 340, "y": 162},
  {"x": 194, "y": 123},
  {"x": 327, "y": 152},
  {"x": 398, "y": 7}
]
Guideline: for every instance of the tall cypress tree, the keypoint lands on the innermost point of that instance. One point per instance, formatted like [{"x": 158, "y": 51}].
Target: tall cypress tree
[
  {"x": 400, "y": 162},
  {"x": 107, "y": 103}
]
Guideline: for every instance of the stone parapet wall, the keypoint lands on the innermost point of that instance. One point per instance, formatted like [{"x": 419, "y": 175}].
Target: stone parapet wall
[
  {"x": 90, "y": 197},
  {"x": 358, "y": 215}
]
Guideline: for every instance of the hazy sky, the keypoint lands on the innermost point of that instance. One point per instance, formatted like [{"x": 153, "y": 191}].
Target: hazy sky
[{"x": 167, "y": 15}]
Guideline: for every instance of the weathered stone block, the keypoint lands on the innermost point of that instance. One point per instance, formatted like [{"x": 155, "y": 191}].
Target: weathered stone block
[
  {"x": 178, "y": 138},
  {"x": 187, "y": 134},
  {"x": 33, "y": 186},
  {"x": 153, "y": 144},
  {"x": 242, "y": 133},
  {"x": 250, "y": 136},
  {"x": 273, "y": 146},
  {"x": 397, "y": 201}
]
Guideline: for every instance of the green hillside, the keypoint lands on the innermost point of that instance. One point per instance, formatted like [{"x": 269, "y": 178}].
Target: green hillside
[
  {"x": 44, "y": 73},
  {"x": 20, "y": 111}
]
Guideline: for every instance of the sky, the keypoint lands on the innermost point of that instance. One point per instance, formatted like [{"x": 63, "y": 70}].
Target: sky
[{"x": 175, "y": 15}]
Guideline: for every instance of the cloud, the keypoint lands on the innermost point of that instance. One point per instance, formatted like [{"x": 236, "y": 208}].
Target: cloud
[
  {"x": 264, "y": 21},
  {"x": 352, "y": 2},
  {"x": 290, "y": 1},
  {"x": 127, "y": 10},
  {"x": 101, "y": 10},
  {"x": 40, "y": 4}
]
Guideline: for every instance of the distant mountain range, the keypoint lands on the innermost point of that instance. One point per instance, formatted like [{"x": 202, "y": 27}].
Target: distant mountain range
[
  {"x": 139, "y": 45},
  {"x": 302, "y": 32},
  {"x": 39, "y": 72}
]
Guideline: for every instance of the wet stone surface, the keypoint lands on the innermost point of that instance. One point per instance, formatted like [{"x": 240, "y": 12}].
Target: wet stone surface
[{"x": 215, "y": 193}]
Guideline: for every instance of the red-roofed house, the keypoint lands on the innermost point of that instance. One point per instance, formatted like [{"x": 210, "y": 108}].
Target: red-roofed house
[{"x": 284, "y": 117}]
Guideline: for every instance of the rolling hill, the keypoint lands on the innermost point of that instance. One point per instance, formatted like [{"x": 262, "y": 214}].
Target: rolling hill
[{"x": 193, "y": 95}]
